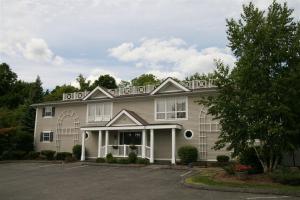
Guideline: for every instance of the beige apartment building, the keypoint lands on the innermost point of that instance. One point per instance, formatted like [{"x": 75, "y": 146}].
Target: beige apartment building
[{"x": 157, "y": 120}]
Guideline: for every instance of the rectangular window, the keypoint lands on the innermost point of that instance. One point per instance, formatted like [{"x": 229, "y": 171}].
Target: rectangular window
[
  {"x": 48, "y": 111},
  {"x": 130, "y": 138},
  {"x": 171, "y": 108},
  {"x": 46, "y": 136},
  {"x": 99, "y": 112}
]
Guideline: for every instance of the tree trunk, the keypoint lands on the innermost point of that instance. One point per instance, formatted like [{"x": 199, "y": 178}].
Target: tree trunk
[
  {"x": 276, "y": 162},
  {"x": 263, "y": 164}
]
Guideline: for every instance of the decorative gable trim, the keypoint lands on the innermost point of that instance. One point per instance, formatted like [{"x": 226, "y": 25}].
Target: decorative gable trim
[
  {"x": 124, "y": 112},
  {"x": 169, "y": 80},
  {"x": 98, "y": 88}
]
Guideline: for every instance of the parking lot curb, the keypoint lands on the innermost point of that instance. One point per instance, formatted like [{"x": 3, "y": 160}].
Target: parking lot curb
[
  {"x": 231, "y": 189},
  {"x": 30, "y": 161},
  {"x": 112, "y": 164}
]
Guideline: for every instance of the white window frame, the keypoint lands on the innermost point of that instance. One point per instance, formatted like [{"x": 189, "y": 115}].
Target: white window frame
[
  {"x": 165, "y": 112},
  {"x": 48, "y": 116},
  {"x": 47, "y": 132},
  {"x": 100, "y": 118}
]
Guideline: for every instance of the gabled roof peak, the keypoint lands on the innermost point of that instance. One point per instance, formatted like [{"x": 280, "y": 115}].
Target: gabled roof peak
[
  {"x": 101, "y": 89},
  {"x": 135, "y": 118},
  {"x": 171, "y": 81}
]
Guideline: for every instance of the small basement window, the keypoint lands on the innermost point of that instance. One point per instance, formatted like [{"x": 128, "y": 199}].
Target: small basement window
[{"x": 188, "y": 134}]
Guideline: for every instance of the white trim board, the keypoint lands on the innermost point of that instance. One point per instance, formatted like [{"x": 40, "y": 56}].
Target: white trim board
[
  {"x": 176, "y": 126},
  {"x": 96, "y": 89},
  {"x": 170, "y": 80}
]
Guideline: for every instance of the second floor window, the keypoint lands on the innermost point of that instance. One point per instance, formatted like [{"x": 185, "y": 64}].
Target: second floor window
[
  {"x": 48, "y": 111},
  {"x": 171, "y": 108},
  {"x": 99, "y": 112}
]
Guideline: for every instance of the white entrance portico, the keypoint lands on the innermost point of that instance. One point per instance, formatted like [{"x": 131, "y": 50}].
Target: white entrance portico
[{"x": 137, "y": 136}]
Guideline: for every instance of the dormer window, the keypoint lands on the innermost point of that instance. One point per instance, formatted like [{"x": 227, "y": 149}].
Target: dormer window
[{"x": 98, "y": 112}]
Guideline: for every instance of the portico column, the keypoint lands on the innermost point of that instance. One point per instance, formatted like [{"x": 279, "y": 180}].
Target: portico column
[
  {"x": 173, "y": 146},
  {"x": 151, "y": 146},
  {"x": 143, "y": 143},
  {"x": 82, "y": 146},
  {"x": 99, "y": 143},
  {"x": 106, "y": 142}
]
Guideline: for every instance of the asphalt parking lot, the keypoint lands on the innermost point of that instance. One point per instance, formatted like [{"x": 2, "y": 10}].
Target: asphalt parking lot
[{"x": 75, "y": 181}]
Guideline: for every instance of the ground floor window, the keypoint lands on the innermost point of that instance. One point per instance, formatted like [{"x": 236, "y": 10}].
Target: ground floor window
[
  {"x": 130, "y": 138},
  {"x": 46, "y": 136}
]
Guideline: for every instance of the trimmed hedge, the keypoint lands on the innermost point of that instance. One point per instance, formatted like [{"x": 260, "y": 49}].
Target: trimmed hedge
[
  {"x": 49, "y": 154},
  {"x": 100, "y": 160},
  {"x": 110, "y": 158},
  {"x": 132, "y": 157},
  {"x": 123, "y": 161},
  {"x": 33, "y": 155},
  {"x": 223, "y": 159},
  {"x": 188, "y": 154},
  {"x": 77, "y": 151},
  {"x": 63, "y": 155},
  {"x": 286, "y": 177},
  {"x": 13, "y": 155},
  {"x": 144, "y": 161}
]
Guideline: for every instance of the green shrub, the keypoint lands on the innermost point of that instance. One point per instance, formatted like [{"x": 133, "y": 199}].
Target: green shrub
[
  {"x": 286, "y": 177},
  {"x": 63, "y": 155},
  {"x": 70, "y": 158},
  {"x": 222, "y": 158},
  {"x": 123, "y": 161},
  {"x": 100, "y": 160},
  {"x": 188, "y": 154},
  {"x": 49, "y": 154},
  {"x": 110, "y": 158},
  {"x": 6, "y": 155},
  {"x": 32, "y": 155},
  {"x": 249, "y": 157},
  {"x": 42, "y": 157},
  {"x": 143, "y": 161},
  {"x": 77, "y": 151},
  {"x": 132, "y": 157},
  {"x": 13, "y": 155},
  {"x": 230, "y": 169}
]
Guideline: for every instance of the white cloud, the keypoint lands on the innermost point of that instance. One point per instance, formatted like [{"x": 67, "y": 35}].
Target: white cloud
[
  {"x": 173, "y": 56},
  {"x": 37, "y": 50}
]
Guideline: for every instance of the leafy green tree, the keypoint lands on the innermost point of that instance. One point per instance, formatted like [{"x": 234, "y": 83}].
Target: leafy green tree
[
  {"x": 57, "y": 93},
  {"x": 7, "y": 78},
  {"x": 253, "y": 103},
  {"x": 198, "y": 76},
  {"x": 84, "y": 84},
  {"x": 145, "y": 79},
  {"x": 105, "y": 81}
]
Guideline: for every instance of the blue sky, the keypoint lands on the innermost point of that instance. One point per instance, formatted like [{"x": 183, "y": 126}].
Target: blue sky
[{"x": 125, "y": 38}]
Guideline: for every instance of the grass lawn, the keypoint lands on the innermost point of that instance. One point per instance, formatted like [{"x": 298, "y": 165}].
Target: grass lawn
[{"x": 210, "y": 177}]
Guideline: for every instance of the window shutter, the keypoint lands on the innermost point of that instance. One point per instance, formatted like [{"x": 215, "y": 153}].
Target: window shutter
[
  {"x": 51, "y": 136},
  {"x": 53, "y": 111},
  {"x": 43, "y": 114},
  {"x": 41, "y": 137}
]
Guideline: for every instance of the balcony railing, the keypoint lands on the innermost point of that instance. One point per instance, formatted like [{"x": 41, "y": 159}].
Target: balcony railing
[{"x": 132, "y": 90}]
